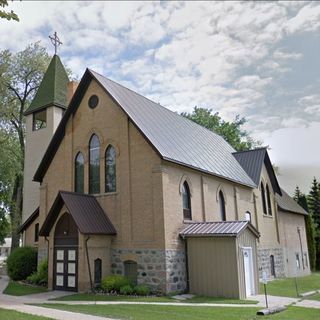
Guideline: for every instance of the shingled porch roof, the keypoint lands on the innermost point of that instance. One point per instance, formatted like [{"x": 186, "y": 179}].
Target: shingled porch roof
[{"x": 86, "y": 211}]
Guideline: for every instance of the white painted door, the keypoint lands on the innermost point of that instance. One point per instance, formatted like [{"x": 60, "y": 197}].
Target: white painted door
[{"x": 248, "y": 271}]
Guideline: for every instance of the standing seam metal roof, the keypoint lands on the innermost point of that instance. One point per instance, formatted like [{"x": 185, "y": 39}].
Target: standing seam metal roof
[
  {"x": 176, "y": 138},
  {"x": 286, "y": 203},
  {"x": 86, "y": 211},
  {"x": 218, "y": 229}
]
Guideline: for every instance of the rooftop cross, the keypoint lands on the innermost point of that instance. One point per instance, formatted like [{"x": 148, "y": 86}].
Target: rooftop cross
[{"x": 55, "y": 41}]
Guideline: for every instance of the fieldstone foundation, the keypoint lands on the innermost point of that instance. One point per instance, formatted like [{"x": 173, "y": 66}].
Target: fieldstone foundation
[
  {"x": 265, "y": 265},
  {"x": 162, "y": 270}
]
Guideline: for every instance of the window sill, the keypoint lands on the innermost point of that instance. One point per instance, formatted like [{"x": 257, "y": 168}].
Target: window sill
[
  {"x": 188, "y": 221},
  {"x": 105, "y": 194},
  {"x": 267, "y": 216}
]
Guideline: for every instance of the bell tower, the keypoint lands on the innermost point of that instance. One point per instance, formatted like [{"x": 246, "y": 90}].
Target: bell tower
[{"x": 42, "y": 119}]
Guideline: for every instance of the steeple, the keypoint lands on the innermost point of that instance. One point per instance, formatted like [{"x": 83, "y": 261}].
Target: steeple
[{"x": 53, "y": 88}]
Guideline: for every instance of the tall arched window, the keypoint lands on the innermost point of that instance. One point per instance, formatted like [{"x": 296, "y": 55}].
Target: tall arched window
[
  {"x": 263, "y": 198},
  {"x": 79, "y": 173},
  {"x": 186, "y": 201},
  {"x": 222, "y": 206},
  {"x": 269, "y": 201},
  {"x": 94, "y": 165},
  {"x": 110, "y": 169}
]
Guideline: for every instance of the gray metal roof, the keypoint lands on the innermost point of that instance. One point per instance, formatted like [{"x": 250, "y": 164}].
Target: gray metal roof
[
  {"x": 86, "y": 211},
  {"x": 286, "y": 203},
  {"x": 252, "y": 161},
  {"x": 217, "y": 229},
  {"x": 176, "y": 138}
]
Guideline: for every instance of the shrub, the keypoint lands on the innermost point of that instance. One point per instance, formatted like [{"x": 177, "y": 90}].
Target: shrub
[
  {"x": 142, "y": 290},
  {"x": 126, "y": 290},
  {"x": 114, "y": 283},
  {"x": 21, "y": 263},
  {"x": 40, "y": 277}
]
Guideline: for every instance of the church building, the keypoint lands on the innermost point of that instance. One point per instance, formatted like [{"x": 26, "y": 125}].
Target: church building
[{"x": 114, "y": 183}]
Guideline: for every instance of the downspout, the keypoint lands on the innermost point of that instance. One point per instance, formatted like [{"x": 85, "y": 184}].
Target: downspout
[
  {"x": 299, "y": 230},
  {"x": 48, "y": 254},
  {"x": 88, "y": 261}
]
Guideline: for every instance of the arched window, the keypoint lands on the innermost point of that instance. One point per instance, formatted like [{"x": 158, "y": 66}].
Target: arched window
[
  {"x": 94, "y": 165},
  {"x": 222, "y": 206},
  {"x": 269, "y": 201},
  {"x": 272, "y": 266},
  {"x": 79, "y": 173},
  {"x": 186, "y": 201},
  {"x": 248, "y": 216},
  {"x": 97, "y": 271},
  {"x": 110, "y": 169},
  {"x": 131, "y": 271},
  {"x": 263, "y": 198}
]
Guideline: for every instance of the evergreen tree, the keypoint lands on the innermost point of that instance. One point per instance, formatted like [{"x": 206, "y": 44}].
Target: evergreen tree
[
  {"x": 310, "y": 231},
  {"x": 314, "y": 210}
]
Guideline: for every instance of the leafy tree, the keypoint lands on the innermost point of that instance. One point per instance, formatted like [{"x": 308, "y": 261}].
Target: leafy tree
[
  {"x": 20, "y": 76},
  {"x": 310, "y": 230},
  {"x": 230, "y": 131},
  {"x": 5, "y": 14}
]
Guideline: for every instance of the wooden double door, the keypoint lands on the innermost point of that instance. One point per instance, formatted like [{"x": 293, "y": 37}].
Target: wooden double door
[{"x": 65, "y": 275}]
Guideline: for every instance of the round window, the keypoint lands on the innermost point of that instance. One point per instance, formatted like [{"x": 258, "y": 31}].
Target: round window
[{"x": 93, "y": 101}]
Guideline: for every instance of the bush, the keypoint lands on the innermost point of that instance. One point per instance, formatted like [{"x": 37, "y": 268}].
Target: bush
[
  {"x": 21, "y": 263},
  {"x": 126, "y": 290},
  {"x": 40, "y": 277},
  {"x": 114, "y": 283},
  {"x": 142, "y": 290}
]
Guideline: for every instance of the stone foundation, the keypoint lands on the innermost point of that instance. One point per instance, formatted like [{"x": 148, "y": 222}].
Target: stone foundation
[
  {"x": 161, "y": 270},
  {"x": 264, "y": 262}
]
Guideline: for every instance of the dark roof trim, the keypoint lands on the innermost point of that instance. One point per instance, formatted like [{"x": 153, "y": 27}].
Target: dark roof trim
[
  {"x": 27, "y": 223},
  {"x": 272, "y": 175},
  {"x": 44, "y": 107},
  {"x": 86, "y": 211}
]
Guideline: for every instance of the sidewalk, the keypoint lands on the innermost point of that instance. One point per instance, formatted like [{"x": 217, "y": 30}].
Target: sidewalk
[{"x": 21, "y": 303}]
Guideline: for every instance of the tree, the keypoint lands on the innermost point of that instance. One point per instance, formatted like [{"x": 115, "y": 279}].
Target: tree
[
  {"x": 310, "y": 230},
  {"x": 314, "y": 210},
  {"x": 20, "y": 76},
  {"x": 5, "y": 14},
  {"x": 232, "y": 132}
]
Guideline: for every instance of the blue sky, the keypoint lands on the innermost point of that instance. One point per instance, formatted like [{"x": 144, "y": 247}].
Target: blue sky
[{"x": 257, "y": 59}]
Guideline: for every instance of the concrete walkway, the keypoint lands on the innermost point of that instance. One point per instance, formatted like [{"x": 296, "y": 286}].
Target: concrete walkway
[{"x": 22, "y": 303}]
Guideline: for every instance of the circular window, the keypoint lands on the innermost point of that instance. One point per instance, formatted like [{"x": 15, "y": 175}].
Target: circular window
[{"x": 93, "y": 101}]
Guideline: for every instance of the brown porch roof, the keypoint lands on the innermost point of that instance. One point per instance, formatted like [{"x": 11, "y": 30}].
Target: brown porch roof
[
  {"x": 86, "y": 211},
  {"x": 217, "y": 229}
]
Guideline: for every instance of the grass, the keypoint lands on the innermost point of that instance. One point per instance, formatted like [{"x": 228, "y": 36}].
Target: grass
[
  {"x": 14, "y": 315},
  {"x": 286, "y": 287},
  {"x": 104, "y": 297},
  {"x": 313, "y": 297},
  {"x": 20, "y": 289},
  {"x": 146, "y": 312}
]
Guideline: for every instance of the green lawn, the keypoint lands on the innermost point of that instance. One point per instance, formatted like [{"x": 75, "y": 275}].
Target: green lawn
[
  {"x": 14, "y": 315},
  {"x": 103, "y": 297},
  {"x": 313, "y": 297},
  {"x": 146, "y": 312},
  {"x": 286, "y": 287},
  {"x": 19, "y": 289}
]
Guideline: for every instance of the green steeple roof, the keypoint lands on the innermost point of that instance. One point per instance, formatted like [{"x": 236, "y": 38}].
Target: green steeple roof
[{"x": 53, "y": 88}]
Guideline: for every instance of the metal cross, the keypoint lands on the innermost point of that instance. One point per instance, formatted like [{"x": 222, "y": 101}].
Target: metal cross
[{"x": 55, "y": 41}]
